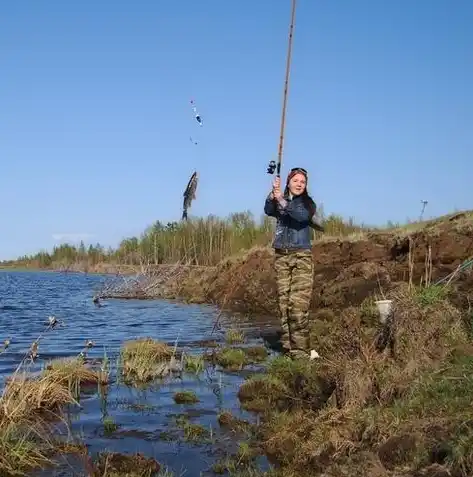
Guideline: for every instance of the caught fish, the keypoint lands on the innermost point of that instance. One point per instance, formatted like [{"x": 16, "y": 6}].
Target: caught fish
[{"x": 189, "y": 194}]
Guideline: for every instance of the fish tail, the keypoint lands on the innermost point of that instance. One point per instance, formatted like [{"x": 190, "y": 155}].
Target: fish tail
[{"x": 184, "y": 214}]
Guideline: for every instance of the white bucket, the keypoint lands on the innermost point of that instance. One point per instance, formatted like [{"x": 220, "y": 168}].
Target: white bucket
[{"x": 384, "y": 309}]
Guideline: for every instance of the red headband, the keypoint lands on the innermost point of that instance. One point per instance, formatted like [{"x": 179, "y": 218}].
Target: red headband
[{"x": 295, "y": 171}]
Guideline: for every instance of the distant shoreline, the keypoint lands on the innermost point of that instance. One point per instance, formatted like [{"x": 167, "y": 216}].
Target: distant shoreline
[{"x": 106, "y": 270}]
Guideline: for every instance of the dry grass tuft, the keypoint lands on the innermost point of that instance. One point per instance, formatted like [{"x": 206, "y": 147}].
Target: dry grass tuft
[
  {"x": 234, "y": 336},
  {"x": 74, "y": 373},
  {"x": 143, "y": 359},
  {"x": 303, "y": 439},
  {"x": 23, "y": 396},
  {"x": 22, "y": 447},
  {"x": 25, "y": 405}
]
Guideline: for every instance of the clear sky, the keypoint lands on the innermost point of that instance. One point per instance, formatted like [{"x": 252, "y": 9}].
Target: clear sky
[{"x": 95, "y": 118}]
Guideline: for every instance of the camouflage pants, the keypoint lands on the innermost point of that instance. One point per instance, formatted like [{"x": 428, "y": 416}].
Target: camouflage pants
[{"x": 295, "y": 281}]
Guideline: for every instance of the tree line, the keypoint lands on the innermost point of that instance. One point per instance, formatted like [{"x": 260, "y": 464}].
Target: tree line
[{"x": 198, "y": 241}]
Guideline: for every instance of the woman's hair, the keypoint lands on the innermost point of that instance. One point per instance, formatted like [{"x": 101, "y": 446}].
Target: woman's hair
[
  {"x": 309, "y": 203},
  {"x": 307, "y": 200}
]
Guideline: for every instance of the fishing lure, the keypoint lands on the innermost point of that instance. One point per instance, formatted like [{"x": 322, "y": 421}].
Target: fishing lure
[{"x": 197, "y": 116}]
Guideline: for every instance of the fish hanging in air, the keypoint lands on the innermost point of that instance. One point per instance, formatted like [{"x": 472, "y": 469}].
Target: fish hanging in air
[{"x": 189, "y": 194}]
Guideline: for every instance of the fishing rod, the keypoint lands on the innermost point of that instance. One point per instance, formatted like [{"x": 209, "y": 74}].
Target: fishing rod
[{"x": 273, "y": 166}]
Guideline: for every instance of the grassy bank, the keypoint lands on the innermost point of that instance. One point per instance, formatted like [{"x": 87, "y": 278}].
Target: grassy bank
[{"x": 365, "y": 409}]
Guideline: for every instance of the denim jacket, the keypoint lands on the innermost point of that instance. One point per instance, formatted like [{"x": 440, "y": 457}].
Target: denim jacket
[{"x": 293, "y": 223}]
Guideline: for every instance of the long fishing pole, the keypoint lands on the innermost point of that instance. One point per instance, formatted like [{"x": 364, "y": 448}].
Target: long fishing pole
[{"x": 272, "y": 165}]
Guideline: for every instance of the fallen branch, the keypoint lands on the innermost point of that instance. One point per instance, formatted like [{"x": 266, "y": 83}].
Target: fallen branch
[{"x": 150, "y": 283}]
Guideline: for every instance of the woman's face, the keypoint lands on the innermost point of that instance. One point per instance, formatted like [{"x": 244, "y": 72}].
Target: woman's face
[{"x": 297, "y": 184}]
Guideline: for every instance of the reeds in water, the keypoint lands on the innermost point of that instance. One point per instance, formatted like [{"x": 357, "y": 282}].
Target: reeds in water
[{"x": 31, "y": 401}]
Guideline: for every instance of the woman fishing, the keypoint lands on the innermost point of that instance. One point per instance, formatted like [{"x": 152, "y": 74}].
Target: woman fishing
[{"x": 295, "y": 213}]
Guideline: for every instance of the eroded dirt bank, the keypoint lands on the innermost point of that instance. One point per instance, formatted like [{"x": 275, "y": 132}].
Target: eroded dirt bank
[{"x": 347, "y": 270}]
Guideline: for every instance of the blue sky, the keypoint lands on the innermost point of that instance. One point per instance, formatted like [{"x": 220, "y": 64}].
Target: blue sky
[{"x": 95, "y": 117}]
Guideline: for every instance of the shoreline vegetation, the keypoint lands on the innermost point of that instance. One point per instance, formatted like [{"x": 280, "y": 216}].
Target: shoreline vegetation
[
  {"x": 386, "y": 399},
  {"x": 198, "y": 241}
]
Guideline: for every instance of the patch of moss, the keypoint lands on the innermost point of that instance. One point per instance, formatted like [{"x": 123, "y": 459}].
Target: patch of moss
[
  {"x": 256, "y": 354},
  {"x": 236, "y": 358},
  {"x": 185, "y": 397},
  {"x": 231, "y": 358},
  {"x": 115, "y": 464},
  {"x": 194, "y": 433},
  {"x": 228, "y": 420},
  {"x": 109, "y": 425}
]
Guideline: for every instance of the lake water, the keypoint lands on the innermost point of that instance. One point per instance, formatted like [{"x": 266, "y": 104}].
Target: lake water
[{"x": 28, "y": 298}]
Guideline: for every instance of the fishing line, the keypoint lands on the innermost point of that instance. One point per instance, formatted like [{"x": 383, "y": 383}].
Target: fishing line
[
  {"x": 196, "y": 138},
  {"x": 189, "y": 194}
]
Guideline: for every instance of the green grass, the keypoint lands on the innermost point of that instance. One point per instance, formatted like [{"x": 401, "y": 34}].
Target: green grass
[
  {"x": 430, "y": 295},
  {"x": 194, "y": 364},
  {"x": 234, "y": 336}
]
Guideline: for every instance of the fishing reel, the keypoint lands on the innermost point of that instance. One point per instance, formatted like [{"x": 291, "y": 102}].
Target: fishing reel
[{"x": 271, "y": 167}]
